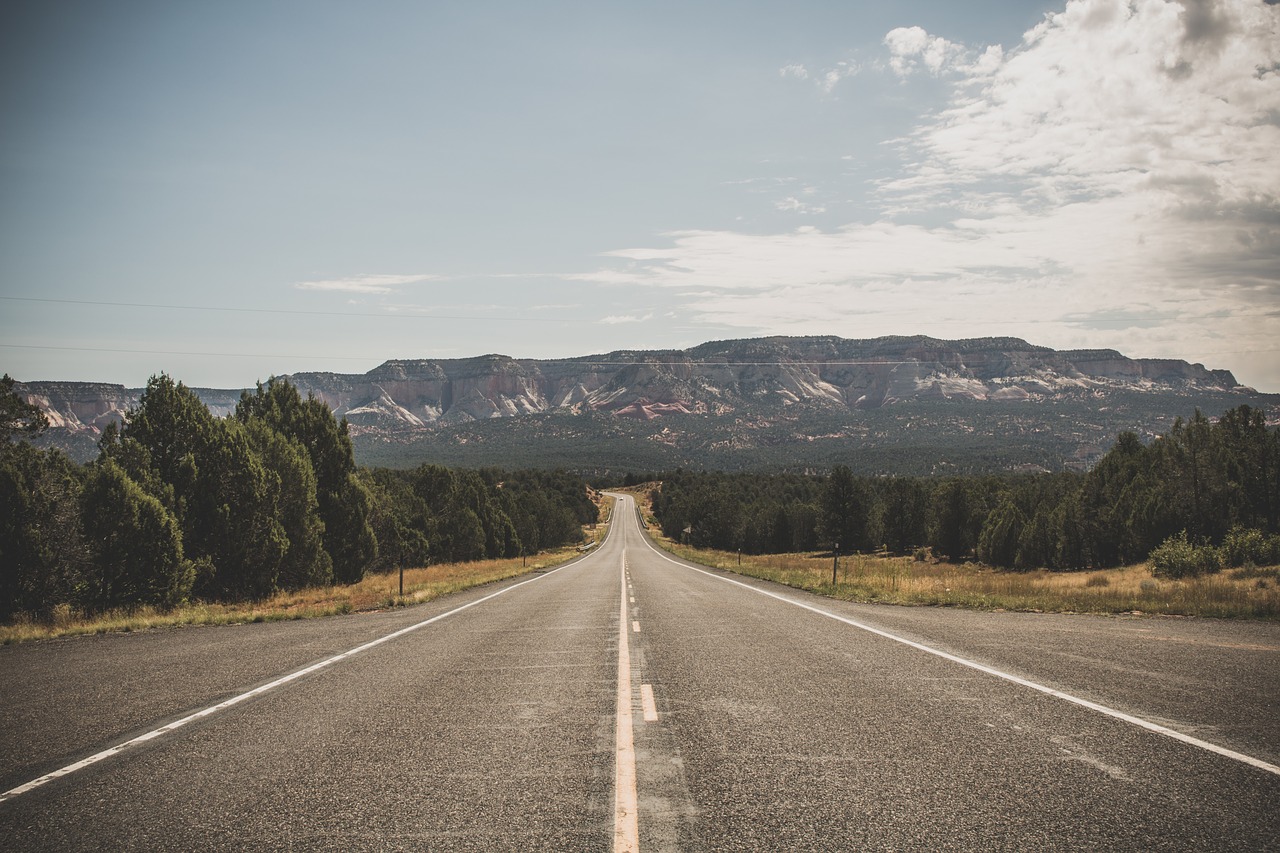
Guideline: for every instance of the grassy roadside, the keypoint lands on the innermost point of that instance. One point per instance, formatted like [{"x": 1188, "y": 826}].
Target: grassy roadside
[
  {"x": 1237, "y": 593},
  {"x": 374, "y": 592},
  {"x": 1233, "y": 593}
]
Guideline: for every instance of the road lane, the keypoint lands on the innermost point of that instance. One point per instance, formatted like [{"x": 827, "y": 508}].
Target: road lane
[
  {"x": 1214, "y": 679},
  {"x": 64, "y": 699},
  {"x": 489, "y": 730},
  {"x": 756, "y": 726},
  {"x": 796, "y": 731}
]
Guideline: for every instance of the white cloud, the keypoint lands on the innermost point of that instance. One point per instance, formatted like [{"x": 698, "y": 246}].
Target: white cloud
[
  {"x": 911, "y": 47},
  {"x": 824, "y": 80},
  {"x": 618, "y": 319},
  {"x": 833, "y": 76},
  {"x": 791, "y": 204},
  {"x": 1145, "y": 103},
  {"x": 1119, "y": 162},
  {"x": 372, "y": 284},
  {"x": 911, "y": 50}
]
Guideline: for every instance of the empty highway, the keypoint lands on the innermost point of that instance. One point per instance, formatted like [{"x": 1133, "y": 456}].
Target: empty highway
[{"x": 630, "y": 701}]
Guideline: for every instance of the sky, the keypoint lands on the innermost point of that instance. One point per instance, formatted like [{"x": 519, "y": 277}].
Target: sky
[{"x": 230, "y": 191}]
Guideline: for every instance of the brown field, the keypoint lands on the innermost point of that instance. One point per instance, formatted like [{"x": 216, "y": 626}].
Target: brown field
[{"x": 1244, "y": 593}]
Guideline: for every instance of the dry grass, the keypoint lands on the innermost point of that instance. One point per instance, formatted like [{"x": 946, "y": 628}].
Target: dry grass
[
  {"x": 1252, "y": 593},
  {"x": 901, "y": 580}
]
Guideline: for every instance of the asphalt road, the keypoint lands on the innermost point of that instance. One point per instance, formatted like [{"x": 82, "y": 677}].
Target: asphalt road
[{"x": 771, "y": 726}]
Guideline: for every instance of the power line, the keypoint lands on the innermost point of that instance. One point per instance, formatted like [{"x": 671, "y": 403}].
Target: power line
[
  {"x": 180, "y": 352},
  {"x": 294, "y": 311},
  {"x": 1128, "y": 318},
  {"x": 580, "y": 360},
  {"x": 583, "y": 360}
]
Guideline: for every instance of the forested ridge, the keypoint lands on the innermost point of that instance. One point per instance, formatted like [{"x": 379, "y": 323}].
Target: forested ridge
[
  {"x": 182, "y": 505},
  {"x": 1204, "y": 491}
]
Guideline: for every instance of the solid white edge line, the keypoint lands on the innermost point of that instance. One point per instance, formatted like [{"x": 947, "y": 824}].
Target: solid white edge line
[
  {"x": 1007, "y": 676},
  {"x": 626, "y": 824},
  {"x": 258, "y": 691}
]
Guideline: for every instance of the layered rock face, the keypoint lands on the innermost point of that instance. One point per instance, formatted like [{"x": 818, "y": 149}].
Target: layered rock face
[
  {"x": 715, "y": 378},
  {"x": 88, "y": 407},
  {"x": 723, "y": 377},
  {"x": 79, "y": 406}
]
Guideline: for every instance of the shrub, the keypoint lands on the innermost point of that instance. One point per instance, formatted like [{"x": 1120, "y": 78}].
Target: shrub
[
  {"x": 1247, "y": 546},
  {"x": 1176, "y": 557}
]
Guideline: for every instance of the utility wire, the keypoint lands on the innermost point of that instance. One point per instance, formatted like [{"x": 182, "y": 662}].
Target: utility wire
[
  {"x": 181, "y": 352},
  {"x": 418, "y": 316},
  {"x": 585, "y": 361},
  {"x": 389, "y": 314}
]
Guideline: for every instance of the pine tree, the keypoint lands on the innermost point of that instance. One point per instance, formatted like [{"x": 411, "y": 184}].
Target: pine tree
[
  {"x": 134, "y": 542},
  {"x": 343, "y": 501},
  {"x": 998, "y": 542},
  {"x": 845, "y": 504}
]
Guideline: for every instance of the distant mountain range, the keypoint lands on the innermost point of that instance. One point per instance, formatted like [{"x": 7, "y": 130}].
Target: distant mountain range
[{"x": 893, "y": 404}]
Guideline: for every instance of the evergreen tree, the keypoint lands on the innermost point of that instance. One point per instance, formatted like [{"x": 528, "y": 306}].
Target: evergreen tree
[
  {"x": 1245, "y": 455},
  {"x": 1001, "y": 535},
  {"x": 399, "y": 518},
  {"x": 172, "y": 428},
  {"x": 17, "y": 416},
  {"x": 905, "y": 514},
  {"x": 780, "y": 539},
  {"x": 955, "y": 522},
  {"x": 1074, "y": 548},
  {"x": 1038, "y": 544},
  {"x": 42, "y": 553},
  {"x": 845, "y": 506},
  {"x": 134, "y": 542},
  {"x": 233, "y": 516},
  {"x": 343, "y": 501},
  {"x": 291, "y": 485}
]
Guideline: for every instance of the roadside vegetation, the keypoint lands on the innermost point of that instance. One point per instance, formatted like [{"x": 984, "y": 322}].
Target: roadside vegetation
[
  {"x": 380, "y": 591},
  {"x": 1236, "y": 593},
  {"x": 1222, "y": 582},
  {"x": 1203, "y": 497},
  {"x": 1186, "y": 525},
  {"x": 186, "y": 517},
  {"x": 375, "y": 591}
]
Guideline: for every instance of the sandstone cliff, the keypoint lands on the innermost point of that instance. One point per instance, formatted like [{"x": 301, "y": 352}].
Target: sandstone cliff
[{"x": 766, "y": 377}]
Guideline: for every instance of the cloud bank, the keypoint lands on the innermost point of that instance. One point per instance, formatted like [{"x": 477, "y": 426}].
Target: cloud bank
[{"x": 1118, "y": 166}]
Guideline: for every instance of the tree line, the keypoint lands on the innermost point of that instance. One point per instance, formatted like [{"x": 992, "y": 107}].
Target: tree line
[
  {"x": 1215, "y": 484},
  {"x": 180, "y": 504}
]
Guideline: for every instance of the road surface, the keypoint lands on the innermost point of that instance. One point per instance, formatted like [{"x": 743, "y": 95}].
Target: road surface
[{"x": 630, "y": 701}]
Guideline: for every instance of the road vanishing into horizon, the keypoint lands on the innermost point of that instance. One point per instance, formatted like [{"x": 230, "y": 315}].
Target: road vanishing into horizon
[{"x": 631, "y": 701}]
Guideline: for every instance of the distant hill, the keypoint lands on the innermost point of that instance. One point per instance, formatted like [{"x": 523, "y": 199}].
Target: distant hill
[{"x": 891, "y": 405}]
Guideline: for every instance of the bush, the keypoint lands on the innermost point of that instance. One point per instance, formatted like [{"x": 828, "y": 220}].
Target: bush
[
  {"x": 1176, "y": 557},
  {"x": 1250, "y": 547}
]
